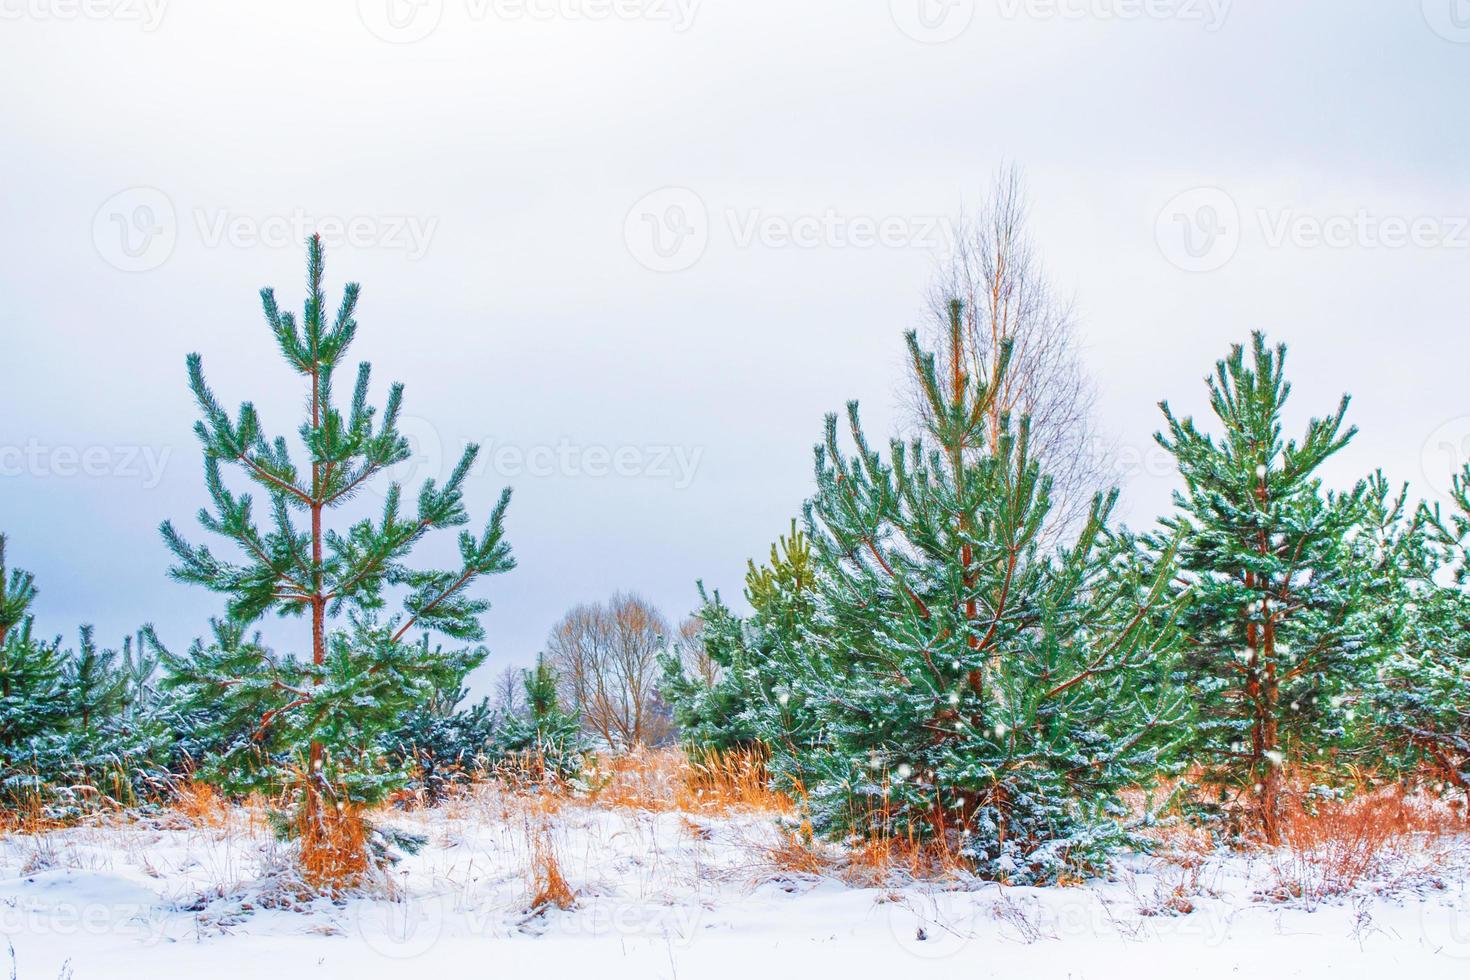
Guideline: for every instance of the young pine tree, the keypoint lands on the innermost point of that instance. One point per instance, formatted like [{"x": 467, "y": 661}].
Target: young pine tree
[
  {"x": 95, "y": 686},
  {"x": 443, "y": 742},
  {"x": 313, "y": 722},
  {"x": 1284, "y": 582},
  {"x": 722, "y": 683},
  {"x": 959, "y": 683},
  {"x": 17, "y": 592},
  {"x": 139, "y": 667},
  {"x": 1420, "y": 703},
  {"x": 30, "y": 668},
  {"x": 545, "y": 738}
]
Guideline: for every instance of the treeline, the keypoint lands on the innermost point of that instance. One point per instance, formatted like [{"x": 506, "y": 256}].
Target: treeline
[
  {"x": 84, "y": 727},
  {"x": 957, "y": 643},
  {"x": 918, "y": 663}
]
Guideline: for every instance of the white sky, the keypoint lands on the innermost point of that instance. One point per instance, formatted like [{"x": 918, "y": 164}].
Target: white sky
[{"x": 500, "y": 166}]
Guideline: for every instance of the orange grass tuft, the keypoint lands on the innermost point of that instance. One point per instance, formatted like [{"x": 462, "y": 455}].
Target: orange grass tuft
[
  {"x": 549, "y": 886},
  {"x": 334, "y": 846},
  {"x": 201, "y": 803},
  {"x": 1329, "y": 846},
  {"x": 668, "y": 780}
]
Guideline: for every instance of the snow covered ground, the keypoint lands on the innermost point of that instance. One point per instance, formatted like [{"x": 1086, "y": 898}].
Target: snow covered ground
[{"x": 682, "y": 896}]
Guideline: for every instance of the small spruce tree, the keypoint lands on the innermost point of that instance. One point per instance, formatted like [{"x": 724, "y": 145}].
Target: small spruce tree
[{"x": 316, "y": 719}]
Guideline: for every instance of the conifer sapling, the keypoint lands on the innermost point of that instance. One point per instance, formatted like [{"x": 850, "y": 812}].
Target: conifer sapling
[{"x": 312, "y": 723}]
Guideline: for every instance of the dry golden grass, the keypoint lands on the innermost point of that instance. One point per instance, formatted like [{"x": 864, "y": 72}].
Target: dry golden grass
[
  {"x": 334, "y": 847},
  {"x": 1330, "y": 846},
  {"x": 796, "y": 852},
  {"x": 667, "y": 780},
  {"x": 201, "y": 804},
  {"x": 549, "y": 887}
]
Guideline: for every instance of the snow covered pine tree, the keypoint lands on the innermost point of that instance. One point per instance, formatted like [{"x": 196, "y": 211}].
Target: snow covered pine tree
[
  {"x": 726, "y": 691},
  {"x": 1420, "y": 703},
  {"x": 30, "y": 672},
  {"x": 1286, "y": 583},
  {"x": 963, "y": 687},
  {"x": 314, "y": 725}
]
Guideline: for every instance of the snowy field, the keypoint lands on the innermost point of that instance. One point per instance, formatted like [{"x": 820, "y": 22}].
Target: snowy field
[{"x": 669, "y": 894}]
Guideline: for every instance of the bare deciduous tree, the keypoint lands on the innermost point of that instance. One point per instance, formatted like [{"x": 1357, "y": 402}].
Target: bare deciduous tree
[
  {"x": 509, "y": 698},
  {"x": 1007, "y": 296},
  {"x": 606, "y": 657},
  {"x": 695, "y": 658}
]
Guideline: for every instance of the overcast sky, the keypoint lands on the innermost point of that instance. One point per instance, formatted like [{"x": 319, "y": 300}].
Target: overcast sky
[{"x": 638, "y": 248}]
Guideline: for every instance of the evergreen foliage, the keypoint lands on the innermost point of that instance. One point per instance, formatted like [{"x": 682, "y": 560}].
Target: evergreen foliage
[
  {"x": 956, "y": 682},
  {"x": 724, "y": 693},
  {"x": 31, "y": 700},
  {"x": 545, "y": 739},
  {"x": 1286, "y": 582},
  {"x": 1418, "y": 712},
  {"x": 443, "y": 742},
  {"x": 310, "y": 724},
  {"x": 67, "y": 739},
  {"x": 94, "y": 684}
]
